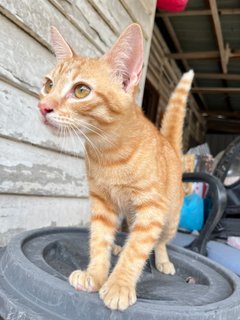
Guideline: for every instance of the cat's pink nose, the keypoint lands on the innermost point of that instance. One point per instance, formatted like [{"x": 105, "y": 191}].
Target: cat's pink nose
[{"x": 45, "y": 108}]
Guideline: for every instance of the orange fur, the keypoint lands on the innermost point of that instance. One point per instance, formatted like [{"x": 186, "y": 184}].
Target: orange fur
[{"x": 131, "y": 167}]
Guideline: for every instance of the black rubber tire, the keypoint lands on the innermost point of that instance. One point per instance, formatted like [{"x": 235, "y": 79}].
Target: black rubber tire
[{"x": 33, "y": 283}]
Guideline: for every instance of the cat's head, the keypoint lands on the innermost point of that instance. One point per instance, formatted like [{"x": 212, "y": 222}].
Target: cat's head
[{"x": 83, "y": 93}]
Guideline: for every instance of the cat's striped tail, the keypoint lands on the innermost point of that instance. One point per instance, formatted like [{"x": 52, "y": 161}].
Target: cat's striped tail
[{"x": 173, "y": 120}]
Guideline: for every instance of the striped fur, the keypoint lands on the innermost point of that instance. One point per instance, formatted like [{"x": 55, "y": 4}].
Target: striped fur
[
  {"x": 172, "y": 125},
  {"x": 131, "y": 167}
]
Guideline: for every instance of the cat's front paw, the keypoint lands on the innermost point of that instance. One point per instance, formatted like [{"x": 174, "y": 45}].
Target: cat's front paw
[
  {"x": 84, "y": 281},
  {"x": 117, "y": 296},
  {"x": 166, "y": 267}
]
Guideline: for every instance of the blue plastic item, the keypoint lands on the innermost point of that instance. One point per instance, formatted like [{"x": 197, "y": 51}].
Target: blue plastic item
[{"x": 192, "y": 213}]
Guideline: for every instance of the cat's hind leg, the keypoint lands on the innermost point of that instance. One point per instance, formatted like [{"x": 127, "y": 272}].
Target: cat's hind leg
[{"x": 162, "y": 262}]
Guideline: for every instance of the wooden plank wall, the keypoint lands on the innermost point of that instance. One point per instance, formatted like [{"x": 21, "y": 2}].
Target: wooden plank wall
[
  {"x": 43, "y": 182},
  {"x": 164, "y": 74}
]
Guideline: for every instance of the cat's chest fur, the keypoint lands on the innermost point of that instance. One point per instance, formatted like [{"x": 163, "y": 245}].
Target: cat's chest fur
[{"x": 116, "y": 183}]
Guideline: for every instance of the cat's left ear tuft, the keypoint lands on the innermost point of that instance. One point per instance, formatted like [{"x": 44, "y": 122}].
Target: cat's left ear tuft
[
  {"x": 60, "y": 47},
  {"x": 126, "y": 57}
]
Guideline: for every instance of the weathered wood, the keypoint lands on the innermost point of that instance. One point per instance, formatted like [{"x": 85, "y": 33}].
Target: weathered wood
[
  {"x": 194, "y": 55},
  {"x": 96, "y": 22},
  {"x": 215, "y": 90},
  {"x": 164, "y": 75},
  {"x": 171, "y": 68},
  {"x": 146, "y": 56},
  {"x": 20, "y": 213},
  {"x": 85, "y": 18},
  {"x": 235, "y": 11},
  {"x": 184, "y": 13},
  {"x": 218, "y": 33},
  {"x": 222, "y": 114},
  {"x": 36, "y": 17},
  {"x": 177, "y": 44},
  {"x": 25, "y": 169},
  {"x": 21, "y": 66},
  {"x": 220, "y": 76},
  {"x": 202, "y": 55},
  {"x": 20, "y": 120},
  {"x": 229, "y": 11},
  {"x": 138, "y": 14},
  {"x": 112, "y": 12},
  {"x": 149, "y": 6}
]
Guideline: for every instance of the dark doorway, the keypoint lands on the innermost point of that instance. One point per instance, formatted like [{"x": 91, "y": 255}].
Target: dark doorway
[{"x": 150, "y": 101}]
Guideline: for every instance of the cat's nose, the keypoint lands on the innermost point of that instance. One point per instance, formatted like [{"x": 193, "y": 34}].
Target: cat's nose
[{"x": 45, "y": 108}]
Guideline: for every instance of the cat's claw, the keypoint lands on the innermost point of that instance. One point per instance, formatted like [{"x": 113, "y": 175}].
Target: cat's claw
[
  {"x": 116, "y": 296},
  {"x": 83, "y": 281},
  {"x": 166, "y": 267}
]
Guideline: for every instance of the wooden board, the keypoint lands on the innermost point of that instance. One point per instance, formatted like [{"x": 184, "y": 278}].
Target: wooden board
[
  {"x": 36, "y": 17},
  {"x": 139, "y": 14},
  {"x": 25, "y": 169},
  {"x": 20, "y": 120},
  {"x": 20, "y": 213},
  {"x": 20, "y": 66},
  {"x": 112, "y": 12},
  {"x": 84, "y": 17}
]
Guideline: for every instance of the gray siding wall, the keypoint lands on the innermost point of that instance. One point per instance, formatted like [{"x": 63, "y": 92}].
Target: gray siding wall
[{"x": 42, "y": 181}]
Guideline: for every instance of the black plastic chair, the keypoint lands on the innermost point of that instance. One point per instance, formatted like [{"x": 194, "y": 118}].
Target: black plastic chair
[
  {"x": 206, "y": 243},
  {"x": 229, "y": 225}
]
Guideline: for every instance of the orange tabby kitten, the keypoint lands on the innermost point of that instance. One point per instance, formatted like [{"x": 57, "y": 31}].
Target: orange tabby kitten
[{"x": 131, "y": 167}]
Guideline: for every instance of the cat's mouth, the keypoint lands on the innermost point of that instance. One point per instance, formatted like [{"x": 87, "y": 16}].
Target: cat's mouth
[
  {"x": 50, "y": 123},
  {"x": 61, "y": 126}
]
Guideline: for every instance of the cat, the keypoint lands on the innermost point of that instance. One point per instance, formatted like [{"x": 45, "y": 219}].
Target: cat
[{"x": 131, "y": 166}]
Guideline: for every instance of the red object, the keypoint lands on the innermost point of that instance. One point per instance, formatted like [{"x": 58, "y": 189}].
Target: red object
[{"x": 172, "y": 5}]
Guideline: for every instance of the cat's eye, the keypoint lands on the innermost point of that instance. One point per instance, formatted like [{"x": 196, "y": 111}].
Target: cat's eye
[
  {"x": 48, "y": 86},
  {"x": 81, "y": 91}
]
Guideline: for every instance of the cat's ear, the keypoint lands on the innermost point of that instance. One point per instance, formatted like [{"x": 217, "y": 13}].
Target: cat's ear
[
  {"x": 126, "y": 56},
  {"x": 60, "y": 47}
]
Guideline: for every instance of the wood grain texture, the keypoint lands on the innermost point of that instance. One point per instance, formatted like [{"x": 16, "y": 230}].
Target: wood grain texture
[
  {"x": 18, "y": 65},
  {"x": 20, "y": 120},
  {"x": 139, "y": 14},
  {"x": 25, "y": 169},
  {"x": 36, "y": 17},
  {"x": 85, "y": 18},
  {"x": 19, "y": 213},
  {"x": 113, "y": 13}
]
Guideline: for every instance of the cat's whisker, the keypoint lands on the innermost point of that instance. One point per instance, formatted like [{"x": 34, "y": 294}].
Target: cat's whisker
[
  {"x": 66, "y": 120},
  {"x": 73, "y": 142},
  {"x": 98, "y": 154},
  {"x": 80, "y": 140},
  {"x": 67, "y": 123},
  {"x": 86, "y": 126},
  {"x": 62, "y": 140}
]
